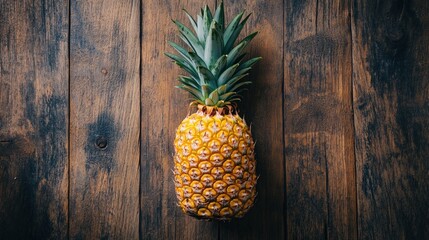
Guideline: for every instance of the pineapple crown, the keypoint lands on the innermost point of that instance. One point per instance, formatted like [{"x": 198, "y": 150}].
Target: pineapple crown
[{"x": 214, "y": 64}]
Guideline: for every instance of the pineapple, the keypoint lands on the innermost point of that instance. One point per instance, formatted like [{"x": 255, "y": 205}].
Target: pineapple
[{"x": 214, "y": 161}]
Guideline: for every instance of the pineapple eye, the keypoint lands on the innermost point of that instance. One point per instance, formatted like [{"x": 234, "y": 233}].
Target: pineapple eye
[
  {"x": 187, "y": 191},
  {"x": 198, "y": 199},
  {"x": 214, "y": 206},
  {"x": 233, "y": 190},
  {"x": 235, "y": 204},
  {"x": 252, "y": 167},
  {"x": 228, "y": 178},
  {"x": 193, "y": 160},
  {"x": 226, "y": 212},
  {"x": 242, "y": 147},
  {"x": 245, "y": 161},
  {"x": 186, "y": 179},
  {"x": 249, "y": 185},
  {"x": 195, "y": 143},
  {"x": 214, "y": 127},
  {"x": 197, "y": 187},
  {"x": 219, "y": 186},
  {"x": 209, "y": 193},
  {"x": 233, "y": 141},
  {"x": 177, "y": 159},
  {"x": 248, "y": 204},
  {"x": 248, "y": 138},
  {"x": 179, "y": 194},
  {"x": 216, "y": 159},
  {"x": 222, "y": 136},
  {"x": 214, "y": 145},
  {"x": 243, "y": 195},
  {"x": 195, "y": 173},
  {"x": 204, "y": 212},
  {"x": 223, "y": 199},
  {"x": 227, "y": 125},
  {"x": 228, "y": 165},
  {"x": 238, "y": 130},
  {"x": 200, "y": 126},
  {"x": 185, "y": 166},
  {"x": 205, "y": 166},
  {"x": 238, "y": 172},
  {"x": 203, "y": 153},
  {"x": 190, "y": 133},
  {"x": 206, "y": 136},
  {"x": 217, "y": 172},
  {"x": 236, "y": 157},
  {"x": 177, "y": 181},
  {"x": 246, "y": 175},
  {"x": 188, "y": 204},
  {"x": 207, "y": 180},
  {"x": 226, "y": 150}
]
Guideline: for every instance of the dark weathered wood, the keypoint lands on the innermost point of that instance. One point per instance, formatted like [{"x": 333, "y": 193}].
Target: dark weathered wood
[
  {"x": 33, "y": 119},
  {"x": 104, "y": 119},
  {"x": 163, "y": 107},
  {"x": 339, "y": 109},
  {"x": 391, "y": 104},
  {"x": 318, "y": 127},
  {"x": 262, "y": 108}
]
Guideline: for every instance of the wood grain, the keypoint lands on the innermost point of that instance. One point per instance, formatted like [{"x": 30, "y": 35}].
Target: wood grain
[
  {"x": 262, "y": 108},
  {"x": 163, "y": 108},
  {"x": 339, "y": 108},
  {"x": 33, "y": 119},
  {"x": 318, "y": 126},
  {"x": 391, "y": 105},
  {"x": 104, "y": 119}
]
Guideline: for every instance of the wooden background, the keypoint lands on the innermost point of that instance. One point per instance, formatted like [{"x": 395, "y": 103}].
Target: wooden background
[{"x": 339, "y": 109}]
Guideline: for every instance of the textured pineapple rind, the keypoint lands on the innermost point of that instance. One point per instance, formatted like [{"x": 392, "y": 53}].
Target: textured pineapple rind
[{"x": 214, "y": 166}]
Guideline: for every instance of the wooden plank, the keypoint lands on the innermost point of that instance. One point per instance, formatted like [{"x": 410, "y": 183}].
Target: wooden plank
[
  {"x": 390, "y": 86},
  {"x": 104, "y": 119},
  {"x": 262, "y": 108},
  {"x": 163, "y": 107},
  {"x": 33, "y": 119},
  {"x": 320, "y": 179}
]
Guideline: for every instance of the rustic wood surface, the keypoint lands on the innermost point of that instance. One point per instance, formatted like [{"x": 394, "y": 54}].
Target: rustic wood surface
[
  {"x": 33, "y": 119},
  {"x": 391, "y": 105},
  {"x": 320, "y": 170},
  {"x": 339, "y": 109},
  {"x": 104, "y": 119}
]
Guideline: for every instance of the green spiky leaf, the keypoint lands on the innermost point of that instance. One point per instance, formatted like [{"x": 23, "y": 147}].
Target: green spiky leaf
[
  {"x": 239, "y": 85},
  {"x": 231, "y": 27},
  {"x": 206, "y": 77},
  {"x": 214, "y": 96},
  {"x": 213, "y": 59},
  {"x": 234, "y": 81},
  {"x": 249, "y": 63},
  {"x": 231, "y": 40},
  {"x": 219, "y": 66},
  {"x": 241, "y": 71},
  {"x": 192, "y": 20},
  {"x": 223, "y": 78},
  {"x": 235, "y": 53},
  {"x": 219, "y": 16},
  {"x": 214, "y": 44}
]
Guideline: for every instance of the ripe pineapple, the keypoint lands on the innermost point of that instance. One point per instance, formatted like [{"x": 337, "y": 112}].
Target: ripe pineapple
[{"x": 214, "y": 171}]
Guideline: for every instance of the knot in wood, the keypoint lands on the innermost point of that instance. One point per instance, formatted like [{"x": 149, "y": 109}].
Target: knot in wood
[{"x": 101, "y": 142}]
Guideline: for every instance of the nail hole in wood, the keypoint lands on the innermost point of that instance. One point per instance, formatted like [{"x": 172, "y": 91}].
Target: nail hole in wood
[{"x": 101, "y": 142}]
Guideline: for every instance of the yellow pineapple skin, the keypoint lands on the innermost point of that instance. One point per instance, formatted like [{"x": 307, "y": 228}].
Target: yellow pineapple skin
[{"x": 214, "y": 166}]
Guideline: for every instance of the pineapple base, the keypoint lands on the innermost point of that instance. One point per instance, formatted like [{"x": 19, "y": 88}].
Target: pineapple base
[{"x": 214, "y": 170}]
